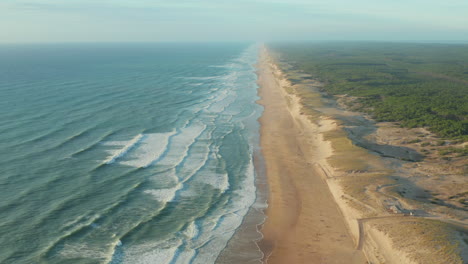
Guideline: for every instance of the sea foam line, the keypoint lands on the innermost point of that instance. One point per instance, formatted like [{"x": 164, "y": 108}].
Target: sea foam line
[
  {"x": 203, "y": 78},
  {"x": 149, "y": 150},
  {"x": 180, "y": 145},
  {"x": 132, "y": 143}
]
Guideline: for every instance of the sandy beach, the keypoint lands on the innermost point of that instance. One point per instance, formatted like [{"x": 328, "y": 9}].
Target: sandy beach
[{"x": 304, "y": 223}]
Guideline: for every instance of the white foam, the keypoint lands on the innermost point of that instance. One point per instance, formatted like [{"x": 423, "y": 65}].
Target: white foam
[
  {"x": 164, "y": 195},
  {"x": 204, "y": 77},
  {"x": 149, "y": 150},
  {"x": 126, "y": 146},
  {"x": 161, "y": 252},
  {"x": 75, "y": 250},
  {"x": 210, "y": 175},
  {"x": 180, "y": 144},
  {"x": 165, "y": 251},
  {"x": 186, "y": 256},
  {"x": 189, "y": 252},
  {"x": 191, "y": 231},
  {"x": 219, "y": 229},
  {"x": 166, "y": 178},
  {"x": 198, "y": 156},
  {"x": 227, "y": 65},
  {"x": 217, "y": 180},
  {"x": 219, "y": 96},
  {"x": 79, "y": 222},
  {"x": 222, "y": 102},
  {"x": 189, "y": 193},
  {"x": 204, "y": 242}
]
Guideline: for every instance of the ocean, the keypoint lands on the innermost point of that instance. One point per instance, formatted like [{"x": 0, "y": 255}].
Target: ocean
[{"x": 125, "y": 153}]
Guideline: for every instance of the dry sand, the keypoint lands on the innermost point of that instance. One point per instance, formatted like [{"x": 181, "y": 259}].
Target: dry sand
[{"x": 304, "y": 223}]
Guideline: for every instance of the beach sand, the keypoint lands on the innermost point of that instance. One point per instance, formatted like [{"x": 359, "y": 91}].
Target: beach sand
[{"x": 304, "y": 223}]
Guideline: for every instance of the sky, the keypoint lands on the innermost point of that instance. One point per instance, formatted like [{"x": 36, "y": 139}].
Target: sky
[{"x": 232, "y": 20}]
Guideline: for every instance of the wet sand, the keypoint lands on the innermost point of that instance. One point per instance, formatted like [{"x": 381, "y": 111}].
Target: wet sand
[{"x": 304, "y": 223}]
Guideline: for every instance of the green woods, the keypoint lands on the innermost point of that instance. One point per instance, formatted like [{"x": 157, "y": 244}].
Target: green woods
[{"x": 417, "y": 85}]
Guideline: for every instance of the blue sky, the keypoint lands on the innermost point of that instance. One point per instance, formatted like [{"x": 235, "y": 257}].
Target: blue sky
[{"x": 234, "y": 20}]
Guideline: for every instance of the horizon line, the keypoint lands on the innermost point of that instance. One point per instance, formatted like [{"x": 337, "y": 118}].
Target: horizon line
[{"x": 238, "y": 41}]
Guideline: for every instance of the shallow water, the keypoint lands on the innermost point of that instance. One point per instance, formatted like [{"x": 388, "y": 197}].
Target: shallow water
[{"x": 125, "y": 153}]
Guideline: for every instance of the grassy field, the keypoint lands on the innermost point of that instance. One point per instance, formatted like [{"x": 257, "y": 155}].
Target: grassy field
[{"x": 417, "y": 85}]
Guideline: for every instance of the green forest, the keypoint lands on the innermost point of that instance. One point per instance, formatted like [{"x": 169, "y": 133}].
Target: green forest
[{"x": 416, "y": 85}]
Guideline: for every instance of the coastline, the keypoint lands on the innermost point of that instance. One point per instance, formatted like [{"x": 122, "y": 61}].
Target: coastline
[
  {"x": 304, "y": 223},
  {"x": 364, "y": 183},
  {"x": 243, "y": 247}
]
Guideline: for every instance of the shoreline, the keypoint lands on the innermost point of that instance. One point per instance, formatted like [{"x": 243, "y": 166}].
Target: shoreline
[
  {"x": 304, "y": 223},
  {"x": 243, "y": 246}
]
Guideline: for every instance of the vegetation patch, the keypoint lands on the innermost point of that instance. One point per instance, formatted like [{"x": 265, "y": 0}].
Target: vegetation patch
[
  {"x": 417, "y": 85},
  {"x": 454, "y": 150},
  {"x": 417, "y": 237}
]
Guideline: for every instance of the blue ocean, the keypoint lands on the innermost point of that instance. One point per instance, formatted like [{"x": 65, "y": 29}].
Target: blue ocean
[{"x": 125, "y": 153}]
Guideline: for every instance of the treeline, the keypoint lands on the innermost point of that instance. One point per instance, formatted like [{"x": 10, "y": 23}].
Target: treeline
[{"x": 417, "y": 85}]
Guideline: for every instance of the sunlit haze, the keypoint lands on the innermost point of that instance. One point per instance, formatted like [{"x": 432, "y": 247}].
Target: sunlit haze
[{"x": 234, "y": 20}]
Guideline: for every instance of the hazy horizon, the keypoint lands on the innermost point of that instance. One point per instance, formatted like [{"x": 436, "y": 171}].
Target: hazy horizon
[{"x": 27, "y": 21}]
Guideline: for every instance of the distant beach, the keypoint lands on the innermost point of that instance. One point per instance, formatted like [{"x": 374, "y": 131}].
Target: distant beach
[{"x": 304, "y": 223}]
